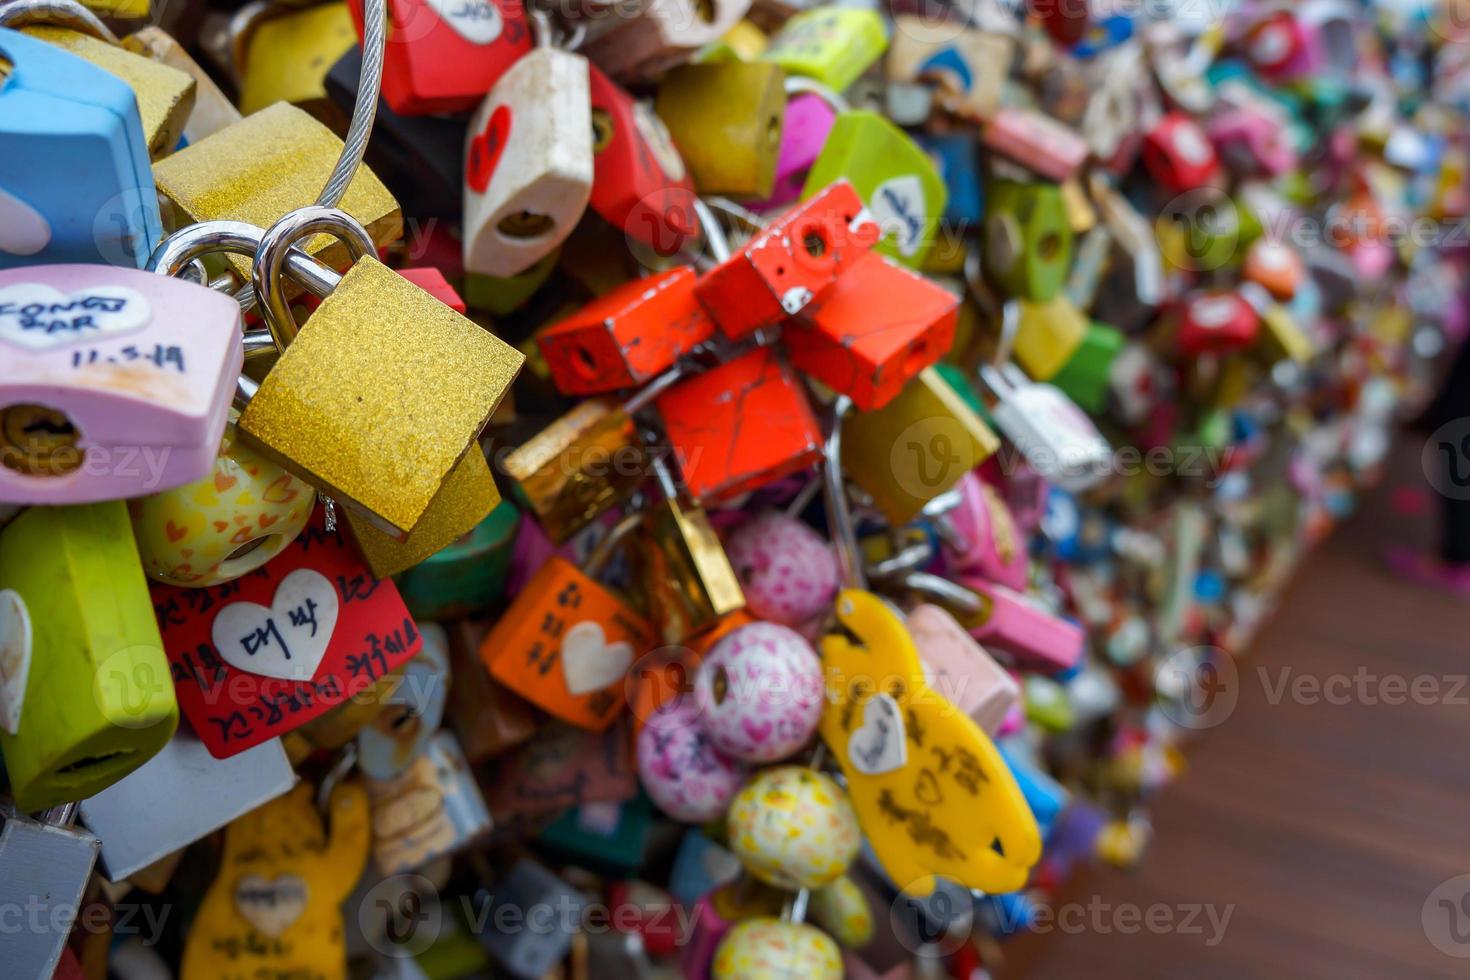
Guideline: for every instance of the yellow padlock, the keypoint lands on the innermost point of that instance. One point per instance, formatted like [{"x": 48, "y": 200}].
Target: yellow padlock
[
  {"x": 726, "y": 121},
  {"x": 212, "y": 110},
  {"x": 932, "y": 793},
  {"x": 284, "y": 54},
  {"x": 1048, "y": 336}
]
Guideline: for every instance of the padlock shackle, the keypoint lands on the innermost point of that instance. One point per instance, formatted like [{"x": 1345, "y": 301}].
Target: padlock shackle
[
  {"x": 839, "y": 515},
  {"x": 604, "y": 550},
  {"x": 275, "y": 249},
  {"x": 945, "y": 592},
  {"x": 801, "y": 85},
  {"x": 61, "y": 13}
]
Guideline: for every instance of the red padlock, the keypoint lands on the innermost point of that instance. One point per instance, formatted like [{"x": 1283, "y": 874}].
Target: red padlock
[
  {"x": 445, "y": 55},
  {"x": 795, "y": 261},
  {"x": 1278, "y": 45},
  {"x": 625, "y": 337},
  {"x": 1216, "y": 323},
  {"x": 432, "y": 281},
  {"x": 1179, "y": 155},
  {"x": 1067, "y": 21},
  {"x": 741, "y": 426},
  {"x": 640, "y": 184},
  {"x": 876, "y": 330}
]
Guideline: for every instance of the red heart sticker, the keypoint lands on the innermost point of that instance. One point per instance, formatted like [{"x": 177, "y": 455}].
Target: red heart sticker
[{"x": 485, "y": 150}]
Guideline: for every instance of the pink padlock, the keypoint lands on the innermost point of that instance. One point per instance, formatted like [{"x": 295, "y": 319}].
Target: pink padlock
[
  {"x": 679, "y": 767},
  {"x": 787, "y": 570},
  {"x": 993, "y": 546},
  {"x": 808, "y": 119},
  {"x": 760, "y": 692},
  {"x": 1251, "y": 141},
  {"x": 113, "y": 382},
  {"x": 960, "y": 669},
  {"x": 1016, "y": 624}
]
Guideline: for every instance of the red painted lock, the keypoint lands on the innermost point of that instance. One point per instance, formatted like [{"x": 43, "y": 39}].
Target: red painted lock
[
  {"x": 432, "y": 281},
  {"x": 1216, "y": 323},
  {"x": 1278, "y": 45},
  {"x": 1179, "y": 155},
  {"x": 1066, "y": 21},
  {"x": 445, "y": 55},
  {"x": 625, "y": 337},
  {"x": 795, "y": 261},
  {"x": 875, "y": 331},
  {"x": 640, "y": 183},
  {"x": 743, "y": 425}
]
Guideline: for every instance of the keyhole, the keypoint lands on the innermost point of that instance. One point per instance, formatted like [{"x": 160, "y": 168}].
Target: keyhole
[
  {"x": 235, "y": 562},
  {"x": 720, "y": 686},
  {"x": 39, "y": 441},
  {"x": 1049, "y": 246},
  {"x": 705, "y": 10},
  {"x": 815, "y": 244},
  {"x": 602, "y": 130},
  {"x": 584, "y": 364},
  {"x": 773, "y": 132},
  {"x": 525, "y": 224}
]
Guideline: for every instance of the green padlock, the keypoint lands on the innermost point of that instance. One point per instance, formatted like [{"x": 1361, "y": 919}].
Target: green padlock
[
  {"x": 467, "y": 576},
  {"x": 501, "y": 296},
  {"x": 1028, "y": 239},
  {"x": 833, "y": 45},
  {"x": 85, "y": 691},
  {"x": 891, "y": 174},
  {"x": 1085, "y": 377}
]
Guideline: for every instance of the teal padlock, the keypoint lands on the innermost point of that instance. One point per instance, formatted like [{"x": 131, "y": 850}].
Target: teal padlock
[
  {"x": 467, "y": 576},
  {"x": 85, "y": 691},
  {"x": 1086, "y": 378},
  {"x": 891, "y": 173}
]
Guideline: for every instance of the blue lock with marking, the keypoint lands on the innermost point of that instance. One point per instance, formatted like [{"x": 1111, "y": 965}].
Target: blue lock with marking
[{"x": 75, "y": 181}]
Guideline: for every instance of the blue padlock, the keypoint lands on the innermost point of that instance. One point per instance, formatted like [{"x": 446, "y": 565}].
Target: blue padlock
[
  {"x": 1046, "y": 797},
  {"x": 955, "y": 157},
  {"x": 75, "y": 181}
]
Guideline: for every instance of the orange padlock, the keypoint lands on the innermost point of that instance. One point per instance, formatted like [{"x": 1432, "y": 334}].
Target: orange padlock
[
  {"x": 566, "y": 642},
  {"x": 876, "y": 330},
  {"x": 790, "y": 264},
  {"x": 627, "y": 336},
  {"x": 740, "y": 426}
]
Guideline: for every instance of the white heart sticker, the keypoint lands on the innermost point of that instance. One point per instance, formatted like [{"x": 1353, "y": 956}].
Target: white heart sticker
[
  {"x": 289, "y": 639},
  {"x": 881, "y": 743},
  {"x": 899, "y": 208},
  {"x": 477, "y": 21},
  {"x": 15, "y": 657},
  {"x": 590, "y": 663},
  {"x": 36, "y": 316},
  {"x": 23, "y": 229},
  {"x": 271, "y": 907}
]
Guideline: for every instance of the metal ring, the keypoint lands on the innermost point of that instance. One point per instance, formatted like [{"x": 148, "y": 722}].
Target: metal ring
[
  {"x": 275, "y": 246},
  {"x": 714, "y": 232},
  {"x": 61, "y": 13},
  {"x": 839, "y": 518}
]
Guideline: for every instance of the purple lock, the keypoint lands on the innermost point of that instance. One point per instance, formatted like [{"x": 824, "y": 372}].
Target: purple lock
[
  {"x": 804, "y": 131},
  {"x": 113, "y": 382}
]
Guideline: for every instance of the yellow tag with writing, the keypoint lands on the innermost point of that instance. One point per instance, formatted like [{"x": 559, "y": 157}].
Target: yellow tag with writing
[
  {"x": 931, "y": 792},
  {"x": 275, "y": 909}
]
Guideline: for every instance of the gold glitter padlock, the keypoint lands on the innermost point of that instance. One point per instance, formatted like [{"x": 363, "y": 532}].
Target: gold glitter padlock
[{"x": 378, "y": 398}]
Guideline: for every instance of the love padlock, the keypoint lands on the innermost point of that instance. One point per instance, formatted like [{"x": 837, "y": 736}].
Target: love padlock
[
  {"x": 107, "y": 212},
  {"x": 1216, "y": 323},
  {"x": 661, "y": 35},
  {"x": 969, "y": 65},
  {"x": 735, "y": 151},
  {"x": 528, "y": 163},
  {"x": 831, "y": 44},
  {"x": 1052, "y": 149},
  {"x": 444, "y": 55},
  {"x": 1028, "y": 239},
  {"x": 281, "y": 53},
  {"x": 1179, "y": 155},
  {"x": 804, "y": 129},
  {"x": 429, "y": 810}
]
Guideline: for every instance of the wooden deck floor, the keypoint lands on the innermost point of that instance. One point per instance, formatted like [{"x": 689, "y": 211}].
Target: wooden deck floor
[{"x": 1325, "y": 825}]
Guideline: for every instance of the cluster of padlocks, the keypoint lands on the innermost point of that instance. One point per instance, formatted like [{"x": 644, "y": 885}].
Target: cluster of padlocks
[{"x": 721, "y": 489}]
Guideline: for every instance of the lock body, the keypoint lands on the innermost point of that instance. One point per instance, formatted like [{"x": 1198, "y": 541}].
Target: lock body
[
  {"x": 443, "y": 56},
  {"x": 565, "y": 645},
  {"x": 261, "y": 167},
  {"x": 97, "y": 702},
  {"x": 1216, "y": 323},
  {"x": 804, "y": 130},
  {"x": 1179, "y": 155},
  {"x": 686, "y": 573},
  {"x": 165, "y": 95},
  {"x": 969, "y": 66},
  {"x": 212, "y": 109},
  {"x": 528, "y": 163},
  {"x": 960, "y": 670},
  {"x": 1049, "y": 336},
  {"x": 740, "y": 426},
  {"x": 880, "y": 327},
  {"x": 332, "y": 410},
  {"x": 284, "y": 56},
  {"x": 396, "y": 736},
  {"x": 1028, "y": 239},
  {"x": 1087, "y": 375},
  {"x": 916, "y": 447},
  {"x": 114, "y": 382},
  {"x": 831, "y": 44},
  {"x": 791, "y": 264},
  {"x": 640, "y": 185},
  {"x": 1036, "y": 141},
  {"x": 889, "y": 171},
  {"x": 959, "y": 166},
  {"x": 75, "y": 182},
  {"x": 467, "y": 575},
  {"x": 661, "y": 35},
  {"x": 627, "y": 336},
  {"x": 733, "y": 150},
  {"x": 487, "y": 717},
  {"x": 430, "y": 810},
  {"x": 43, "y": 870}
]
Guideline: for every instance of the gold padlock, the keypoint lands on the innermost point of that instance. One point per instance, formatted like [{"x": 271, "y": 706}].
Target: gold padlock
[
  {"x": 726, "y": 121},
  {"x": 165, "y": 95},
  {"x": 263, "y": 166},
  {"x": 379, "y": 398},
  {"x": 212, "y": 110},
  {"x": 282, "y": 53}
]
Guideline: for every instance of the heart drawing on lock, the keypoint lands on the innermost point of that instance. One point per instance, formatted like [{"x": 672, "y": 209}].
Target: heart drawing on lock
[
  {"x": 23, "y": 229},
  {"x": 880, "y": 743},
  {"x": 477, "y": 21},
  {"x": 590, "y": 663},
  {"x": 486, "y": 149},
  {"x": 286, "y": 640},
  {"x": 37, "y": 316},
  {"x": 15, "y": 657},
  {"x": 271, "y": 906}
]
